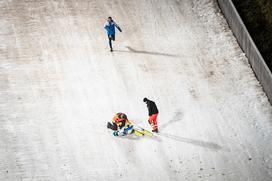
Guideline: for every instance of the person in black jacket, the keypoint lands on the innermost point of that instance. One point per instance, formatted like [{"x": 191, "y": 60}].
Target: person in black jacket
[{"x": 153, "y": 114}]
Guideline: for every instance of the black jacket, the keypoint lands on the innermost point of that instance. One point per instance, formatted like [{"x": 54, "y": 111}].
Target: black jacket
[{"x": 152, "y": 108}]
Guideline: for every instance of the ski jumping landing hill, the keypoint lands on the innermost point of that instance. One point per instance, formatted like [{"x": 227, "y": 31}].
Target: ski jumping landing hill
[{"x": 59, "y": 85}]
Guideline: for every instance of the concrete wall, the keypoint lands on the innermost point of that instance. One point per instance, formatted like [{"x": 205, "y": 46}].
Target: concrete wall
[{"x": 256, "y": 60}]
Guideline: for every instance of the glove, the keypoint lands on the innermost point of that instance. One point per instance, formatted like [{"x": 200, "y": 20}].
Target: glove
[
  {"x": 115, "y": 133},
  {"x": 109, "y": 125}
]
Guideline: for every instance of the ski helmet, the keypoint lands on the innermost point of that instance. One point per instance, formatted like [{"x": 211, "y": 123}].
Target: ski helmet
[
  {"x": 145, "y": 99},
  {"x": 123, "y": 116}
]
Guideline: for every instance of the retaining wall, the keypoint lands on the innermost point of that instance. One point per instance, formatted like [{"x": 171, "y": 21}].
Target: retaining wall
[{"x": 256, "y": 60}]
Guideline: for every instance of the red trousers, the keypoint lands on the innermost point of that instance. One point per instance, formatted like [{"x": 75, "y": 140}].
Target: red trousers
[{"x": 153, "y": 121}]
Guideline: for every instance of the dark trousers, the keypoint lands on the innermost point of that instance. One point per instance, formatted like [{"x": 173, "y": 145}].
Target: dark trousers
[{"x": 111, "y": 38}]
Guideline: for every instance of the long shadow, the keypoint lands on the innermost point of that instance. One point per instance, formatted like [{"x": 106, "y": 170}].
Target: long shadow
[
  {"x": 132, "y": 50},
  {"x": 204, "y": 144},
  {"x": 177, "y": 117}
]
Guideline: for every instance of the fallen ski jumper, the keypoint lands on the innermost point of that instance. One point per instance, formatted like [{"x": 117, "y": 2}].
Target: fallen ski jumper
[{"x": 121, "y": 126}]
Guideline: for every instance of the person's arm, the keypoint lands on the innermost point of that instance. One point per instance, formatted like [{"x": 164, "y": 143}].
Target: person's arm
[
  {"x": 149, "y": 109},
  {"x": 106, "y": 26},
  {"x": 118, "y": 27}
]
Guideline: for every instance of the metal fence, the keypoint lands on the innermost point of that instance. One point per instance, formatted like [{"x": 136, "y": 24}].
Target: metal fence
[{"x": 256, "y": 60}]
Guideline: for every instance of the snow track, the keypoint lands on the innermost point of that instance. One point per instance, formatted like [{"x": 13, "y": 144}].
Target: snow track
[{"x": 60, "y": 84}]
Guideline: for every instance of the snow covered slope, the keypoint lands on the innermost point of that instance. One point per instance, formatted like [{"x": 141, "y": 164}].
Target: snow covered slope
[{"x": 59, "y": 85}]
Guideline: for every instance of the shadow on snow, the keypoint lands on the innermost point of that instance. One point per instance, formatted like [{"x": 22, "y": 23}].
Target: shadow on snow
[
  {"x": 195, "y": 142},
  {"x": 177, "y": 117},
  {"x": 132, "y": 50}
]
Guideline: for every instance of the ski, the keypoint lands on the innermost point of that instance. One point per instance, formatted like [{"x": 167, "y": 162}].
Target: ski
[
  {"x": 138, "y": 133},
  {"x": 146, "y": 132},
  {"x": 139, "y": 130},
  {"x": 142, "y": 132}
]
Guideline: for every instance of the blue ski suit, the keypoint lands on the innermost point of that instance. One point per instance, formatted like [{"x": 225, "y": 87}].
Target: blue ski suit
[
  {"x": 126, "y": 130},
  {"x": 110, "y": 27}
]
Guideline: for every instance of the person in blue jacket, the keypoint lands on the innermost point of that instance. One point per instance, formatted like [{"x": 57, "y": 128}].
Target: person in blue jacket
[{"x": 110, "y": 28}]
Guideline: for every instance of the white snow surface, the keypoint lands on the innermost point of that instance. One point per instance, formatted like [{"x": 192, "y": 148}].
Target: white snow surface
[{"x": 60, "y": 85}]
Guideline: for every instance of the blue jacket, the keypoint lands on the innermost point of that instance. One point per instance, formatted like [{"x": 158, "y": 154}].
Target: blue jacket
[{"x": 110, "y": 27}]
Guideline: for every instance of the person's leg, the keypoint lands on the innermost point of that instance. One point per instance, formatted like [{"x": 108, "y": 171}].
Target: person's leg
[
  {"x": 110, "y": 38},
  {"x": 153, "y": 122}
]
